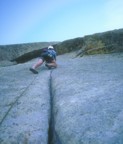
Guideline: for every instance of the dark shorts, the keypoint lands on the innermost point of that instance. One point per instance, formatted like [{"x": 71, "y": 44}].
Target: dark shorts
[{"x": 47, "y": 59}]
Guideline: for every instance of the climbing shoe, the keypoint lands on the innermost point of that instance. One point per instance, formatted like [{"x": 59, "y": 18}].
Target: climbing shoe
[{"x": 33, "y": 71}]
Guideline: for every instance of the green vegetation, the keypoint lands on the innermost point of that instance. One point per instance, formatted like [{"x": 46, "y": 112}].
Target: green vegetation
[
  {"x": 100, "y": 43},
  {"x": 69, "y": 45}
]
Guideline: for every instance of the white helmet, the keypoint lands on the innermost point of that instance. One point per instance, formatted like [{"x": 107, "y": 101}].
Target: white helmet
[{"x": 50, "y": 47}]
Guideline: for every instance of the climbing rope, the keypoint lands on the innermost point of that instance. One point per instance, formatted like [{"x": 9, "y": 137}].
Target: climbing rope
[{"x": 16, "y": 101}]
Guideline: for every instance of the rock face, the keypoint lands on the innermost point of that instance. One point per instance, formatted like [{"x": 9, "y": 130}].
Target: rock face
[
  {"x": 88, "y": 99},
  {"x": 80, "y": 102},
  {"x": 24, "y": 106}
]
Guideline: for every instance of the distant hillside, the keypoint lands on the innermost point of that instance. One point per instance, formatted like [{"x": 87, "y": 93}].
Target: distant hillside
[
  {"x": 10, "y": 52},
  {"x": 106, "y": 42}
]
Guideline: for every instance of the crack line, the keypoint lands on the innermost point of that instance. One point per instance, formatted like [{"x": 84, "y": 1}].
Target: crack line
[{"x": 53, "y": 137}]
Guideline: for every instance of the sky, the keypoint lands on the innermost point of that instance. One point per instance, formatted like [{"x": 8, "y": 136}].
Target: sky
[{"x": 27, "y": 21}]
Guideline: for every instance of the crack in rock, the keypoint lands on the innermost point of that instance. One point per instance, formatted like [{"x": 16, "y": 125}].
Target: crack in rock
[{"x": 53, "y": 137}]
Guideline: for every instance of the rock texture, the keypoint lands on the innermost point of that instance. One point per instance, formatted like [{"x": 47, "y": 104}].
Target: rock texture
[
  {"x": 88, "y": 99},
  {"x": 80, "y": 102},
  {"x": 24, "y": 106}
]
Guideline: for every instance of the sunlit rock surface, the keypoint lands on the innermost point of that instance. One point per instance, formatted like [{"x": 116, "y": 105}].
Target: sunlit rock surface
[
  {"x": 88, "y": 100},
  {"x": 86, "y": 95},
  {"x": 24, "y": 105}
]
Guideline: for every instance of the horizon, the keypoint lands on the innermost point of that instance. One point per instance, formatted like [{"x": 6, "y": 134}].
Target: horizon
[
  {"x": 59, "y": 41},
  {"x": 37, "y": 21}
]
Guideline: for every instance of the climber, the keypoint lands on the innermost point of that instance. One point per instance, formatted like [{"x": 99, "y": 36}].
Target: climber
[{"x": 48, "y": 56}]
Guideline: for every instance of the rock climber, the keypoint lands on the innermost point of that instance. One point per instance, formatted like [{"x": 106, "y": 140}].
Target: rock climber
[{"x": 48, "y": 55}]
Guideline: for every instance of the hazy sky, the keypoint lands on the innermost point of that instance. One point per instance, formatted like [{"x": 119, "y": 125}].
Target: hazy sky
[{"x": 24, "y": 21}]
